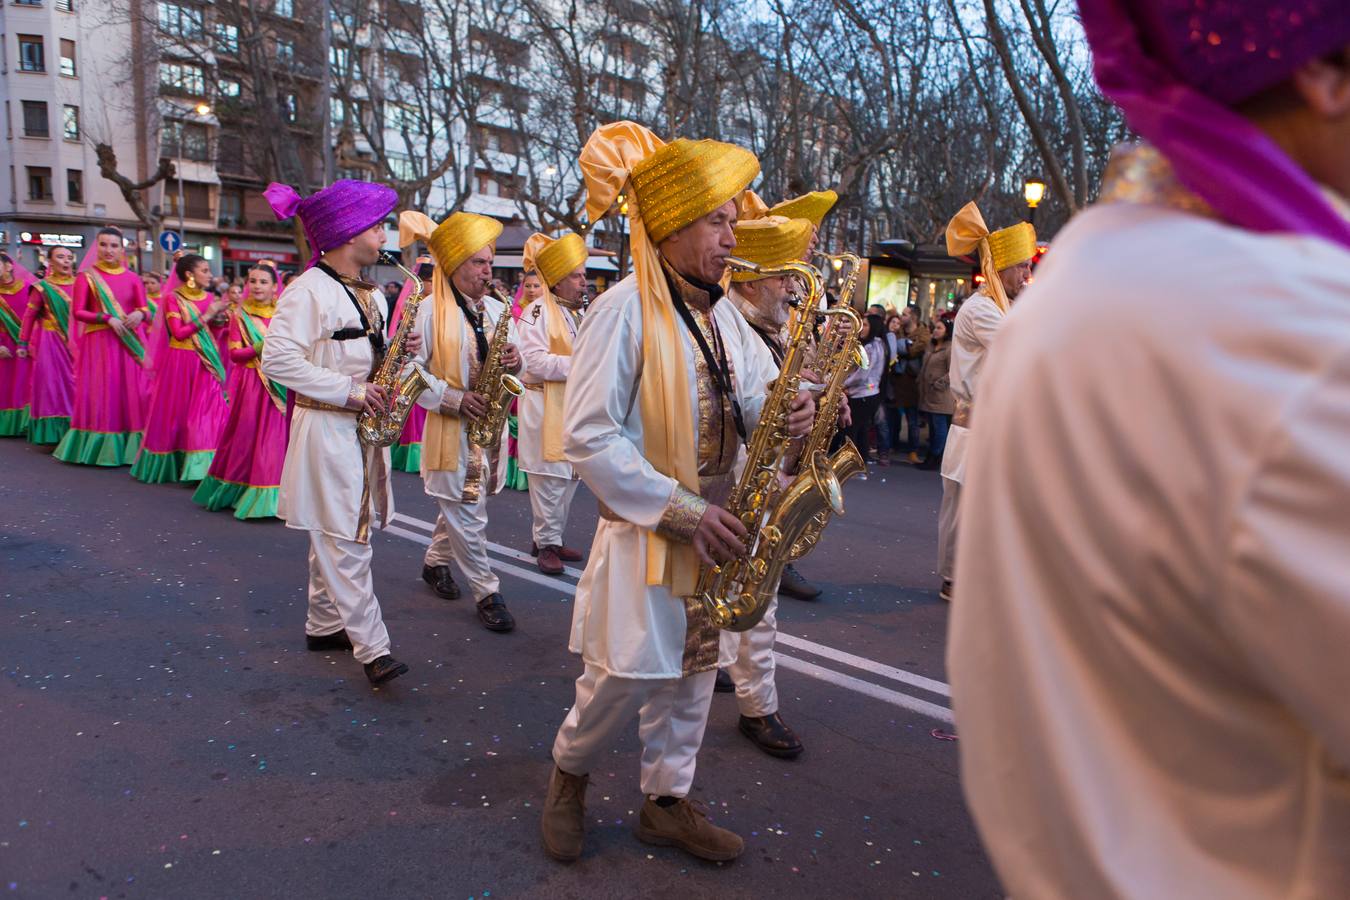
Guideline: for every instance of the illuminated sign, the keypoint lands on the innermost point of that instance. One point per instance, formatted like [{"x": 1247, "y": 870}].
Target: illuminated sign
[{"x": 51, "y": 239}]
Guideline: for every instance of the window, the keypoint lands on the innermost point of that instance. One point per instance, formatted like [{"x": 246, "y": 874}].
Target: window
[
  {"x": 284, "y": 8},
  {"x": 227, "y": 38},
  {"x": 402, "y": 167},
  {"x": 65, "y": 5},
  {"x": 70, "y": 123},
  {"x": 181, "y": 21},
  {"x": 184, "y": 78},
  {"x": 337, "y": 112},
  {"x": 27, "y": 2},
  {"x": 230, "y": 153},
  {"x": 187, "y": 139},
  {"x": 340, "y": 58},
  {"x": 196, "y": 200},
  {"x": 400, "y": 117},
  {"x": 74, "y": 186},
  {"x": 292, "y": 107},
  {"x": 503, "y": 140},
  {"x": 231, "y": 208},
  {"x": 30, "y": 53},
  {"x": 285, "y": 51},
  {"x": 497, "y": 184},
  {"x": 39, "y": 183},
  {"x": 67, "y": 58},
  {"x": 229, "y": 87},
  {"x": 35, "y": 119}
]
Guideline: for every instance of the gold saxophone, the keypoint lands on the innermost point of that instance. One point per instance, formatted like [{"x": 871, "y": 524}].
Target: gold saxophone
[
  {"x": 495, "y": 384},
  {"x": 838, "y": 355},
  {"x": 382, "y": 429},
  {"x": 737, "y": 593}
]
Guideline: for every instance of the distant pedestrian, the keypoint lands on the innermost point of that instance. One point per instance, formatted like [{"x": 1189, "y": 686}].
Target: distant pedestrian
[
  {"x": 863, "y": 386},
  {"x": 904, "y": 380},
  {"x": 935, "y": 393}
]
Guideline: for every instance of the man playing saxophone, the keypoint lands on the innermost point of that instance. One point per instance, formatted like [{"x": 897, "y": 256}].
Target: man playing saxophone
[
  {"x": 662, "y": 391},
  {"x": 457, "y": 328}
]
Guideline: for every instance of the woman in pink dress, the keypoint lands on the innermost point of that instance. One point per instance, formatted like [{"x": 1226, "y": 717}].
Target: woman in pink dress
[
  {"x": 109, "y": 351},
  {"x": 45, "y": 339},
  {"x": 187, "y": 395},
  {"x": 15, "y": 366},
  {"x": 246, "y": 473},
  {"x": 406, "y": 454}
]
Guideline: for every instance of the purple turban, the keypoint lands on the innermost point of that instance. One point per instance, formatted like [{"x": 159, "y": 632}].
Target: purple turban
[
  {"x": 335, "y": 214},
  {"x": 1176, "y": 67}
]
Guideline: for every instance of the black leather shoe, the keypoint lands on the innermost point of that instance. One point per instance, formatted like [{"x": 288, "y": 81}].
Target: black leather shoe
[
  {"x": 795, "y": 586},
  {"x": 724, "y": 683},
  {"x": 386, "y": 668},
  {"x": 771, "y": 734},
  {"x": 441, "y": 581},
  {"x": 338, "y": 640},
  {"x": 492, "y": 612}
]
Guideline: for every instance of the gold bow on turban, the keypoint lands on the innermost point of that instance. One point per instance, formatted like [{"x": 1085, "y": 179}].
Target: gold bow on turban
[
  {"x": 770, "y": 241},
  {"x": 554, "y": 260},
  {"x": 672, "y": 185},
  {"x": 751, "y": 206},
  {"x": 451, "y": 243},
  {"x": 998, "y": 251},
  {"x": 812, "y": 206}
]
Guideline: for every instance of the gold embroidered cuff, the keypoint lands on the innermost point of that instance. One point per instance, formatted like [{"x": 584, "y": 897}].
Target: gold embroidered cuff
[
  {"x": 680, "y": 519},
  {"x": 451, "y": 401},
  {"x": 356, "y": 397}
]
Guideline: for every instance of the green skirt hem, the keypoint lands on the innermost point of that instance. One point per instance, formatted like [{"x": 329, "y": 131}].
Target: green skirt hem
[
  {"x": 406, "y": 457},
  {"x": 14, "y": 422},
  {"x": 98, "y": 448},
  {"x": 172, "y": 467},
  {"x": 215, "y": 494},
  {"x": 257, "y": 503},
  {"x": 48, "y": 429}
]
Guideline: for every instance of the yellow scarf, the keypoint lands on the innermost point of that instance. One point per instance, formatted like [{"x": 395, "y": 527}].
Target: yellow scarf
[{"x": 663, "y": 389}]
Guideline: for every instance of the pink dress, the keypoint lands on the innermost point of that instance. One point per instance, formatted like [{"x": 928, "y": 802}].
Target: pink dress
[
  {"x": 246, "y": 472},
  {"x": 108, "y": 414},
  {"x": 46, "y": 330},
  {"x": 187, "y": 396},
  {"x": 15, "y": 373}
]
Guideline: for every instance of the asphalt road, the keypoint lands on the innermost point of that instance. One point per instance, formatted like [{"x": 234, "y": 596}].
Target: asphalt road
[{"x": 164, "y": 732}]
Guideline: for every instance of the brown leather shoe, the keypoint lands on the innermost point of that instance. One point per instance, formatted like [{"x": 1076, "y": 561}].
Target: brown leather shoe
[
  {"x": 567, "y": 554},
  {"x": 564, "y": 821},
  {"x": 549, "y": 563},
  {"x": 685, "y": 825}
]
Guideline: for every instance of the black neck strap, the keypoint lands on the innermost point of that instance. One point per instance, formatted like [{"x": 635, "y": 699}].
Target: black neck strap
[
  {"x": 475, "y": 320},
  {"x": 349, "y": 334}
]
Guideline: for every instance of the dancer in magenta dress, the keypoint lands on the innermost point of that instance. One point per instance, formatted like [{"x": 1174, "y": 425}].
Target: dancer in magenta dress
[
  {"x": 109, "y": 352},
  {"x": 246, "y": 472},
  {"x": 45, "y": 339},
  {"x": 15, "y": 366},
  {"x": 187, "y": 397},
  {"x": 406, "y": 454}
]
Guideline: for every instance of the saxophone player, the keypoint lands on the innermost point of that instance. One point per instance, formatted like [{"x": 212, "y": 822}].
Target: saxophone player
[
  {"x": 549, "y": 330},
  {"x": 456, "y": 328},
  {"x": 662, "y": 390},
  {"x": 323, "y": 344}
]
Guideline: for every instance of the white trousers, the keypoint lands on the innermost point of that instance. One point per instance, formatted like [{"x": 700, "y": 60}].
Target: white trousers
[
  {"x": 672, "y": 715},
  {"x": 550, "y": 499},
  {"x": 342, "y": 595},
  {"x": 753, "y": 670},
  {"x": 461, "y": 535},
  {"x": 948, "y": 515}
]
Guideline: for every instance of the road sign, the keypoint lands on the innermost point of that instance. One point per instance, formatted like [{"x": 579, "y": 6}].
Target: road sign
[{"x": 170, "y": 241}]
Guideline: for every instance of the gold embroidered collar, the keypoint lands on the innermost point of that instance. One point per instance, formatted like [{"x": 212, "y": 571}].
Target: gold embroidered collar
[
  {"x": 109, "y": 269},
  {"x": 1138, "y": 173}
]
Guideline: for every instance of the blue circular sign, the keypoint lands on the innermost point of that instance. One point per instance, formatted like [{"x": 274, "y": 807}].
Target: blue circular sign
[{"x": 170, "y": 241}]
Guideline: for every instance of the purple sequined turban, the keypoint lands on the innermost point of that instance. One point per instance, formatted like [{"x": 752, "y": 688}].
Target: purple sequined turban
[
  {"x": 335, "y": 214},
  {"x": 1177, "y": 67}
]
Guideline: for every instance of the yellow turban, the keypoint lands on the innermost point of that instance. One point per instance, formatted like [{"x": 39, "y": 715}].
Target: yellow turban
[
  {"x": 1000, "y": 250},
  {"x": 454, "y": 240},
  {"x": 672, "y": 185},
  {"x": 812, "y": 206},
  {"x": 770, "y": 241},
  {"x": 554, "y": 259}
]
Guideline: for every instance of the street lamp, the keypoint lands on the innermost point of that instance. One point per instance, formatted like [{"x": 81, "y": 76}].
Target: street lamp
[
  {"x": 1034, "y": 192},
  {"x": 202, "y": 109}
]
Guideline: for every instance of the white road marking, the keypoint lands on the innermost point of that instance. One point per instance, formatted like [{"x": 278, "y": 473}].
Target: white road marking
[{"x": 814, "y": 670}]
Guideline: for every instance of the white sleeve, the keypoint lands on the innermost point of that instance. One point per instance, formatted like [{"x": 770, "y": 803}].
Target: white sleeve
[
  {"x": 291, "y": 337},
  {"x": 532, "y": 339},
  {"x": 600, "y": 394},
  {"x": 1285, "y": 604}
]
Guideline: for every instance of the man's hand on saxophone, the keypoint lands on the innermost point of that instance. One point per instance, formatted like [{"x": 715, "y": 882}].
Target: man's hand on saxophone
[
  {"x": 511, "y": 361},
  {"x": 472, "y": 406},
  {"x": 719, "y": 536}
]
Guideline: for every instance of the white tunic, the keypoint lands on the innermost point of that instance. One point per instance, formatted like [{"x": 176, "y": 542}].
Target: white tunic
[
  {"x": 619, "y": 623},
  {"x": 540, "y": 366},
  {"x": 972, "y": 334},
  {"x": 322, "y": 478},
  {"x": 1150, "y": 640},
  {"x": 440, "y": 483}
]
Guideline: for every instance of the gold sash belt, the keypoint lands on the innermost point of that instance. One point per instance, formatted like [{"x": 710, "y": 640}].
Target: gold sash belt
[{"x": 310, "y": 403}]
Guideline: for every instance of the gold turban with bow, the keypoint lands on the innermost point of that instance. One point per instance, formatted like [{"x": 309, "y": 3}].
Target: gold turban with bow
[
  {"x": 998, "y": 250},
  {"x": 554, "y": 260},
  {"x": 451, "y": 244},
  {"x": 770, "y": 241},
  {"x": 812, "y": 206},
  {"x": 672, "y": 185}
]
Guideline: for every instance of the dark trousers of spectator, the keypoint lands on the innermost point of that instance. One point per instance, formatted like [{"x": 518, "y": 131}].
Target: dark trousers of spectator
[
  {"x": 940, "y": 422},
  {"x": 888, "y": 429},
  {"x": 863, "y": 410},
  {"x": 913, "y": 422}
]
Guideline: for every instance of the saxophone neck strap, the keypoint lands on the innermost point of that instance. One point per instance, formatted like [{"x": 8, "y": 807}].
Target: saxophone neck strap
[
  {"x": 365, "y": 331},
  {"x": 475, "y": 320}
]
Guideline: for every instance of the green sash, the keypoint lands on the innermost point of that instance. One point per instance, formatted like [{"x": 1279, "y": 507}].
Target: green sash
[
  {"x": 9, "y": 320},
  {"x": 111, "y": 307},
  {"x": 254, "y": 335},
  {"x": 202, "y": 340},
  {"x": 151, "y": 305},
  {"x": 59, "y": 304}
]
